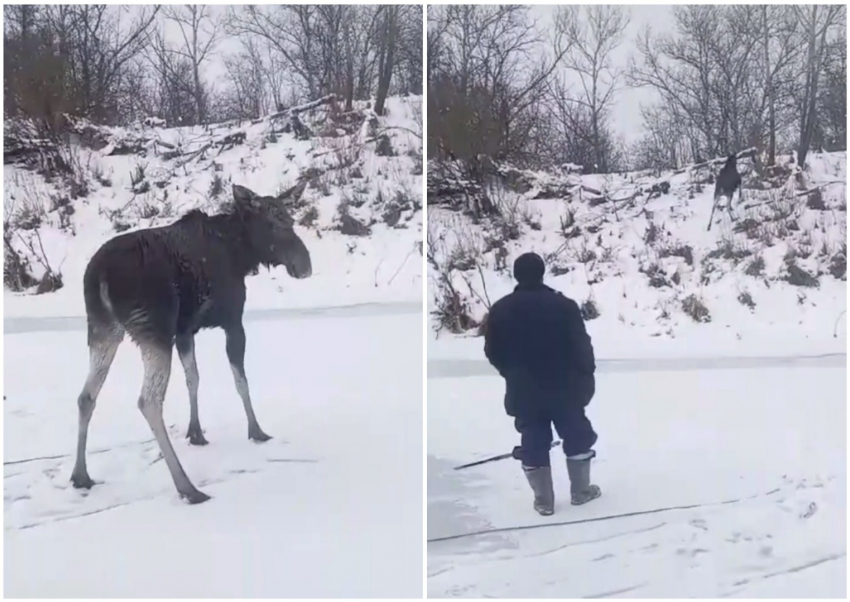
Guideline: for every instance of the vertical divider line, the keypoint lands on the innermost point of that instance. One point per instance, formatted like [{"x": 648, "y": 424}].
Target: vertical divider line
[{"x": 424, "y": 303}]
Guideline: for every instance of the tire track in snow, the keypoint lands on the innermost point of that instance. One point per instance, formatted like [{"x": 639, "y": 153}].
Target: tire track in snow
[
  {"x": 597, "y": 519},
  {"x": 615, "y": 592},
  {"x": 597, "y": 540},
  {"x": 788, "y": 571}
]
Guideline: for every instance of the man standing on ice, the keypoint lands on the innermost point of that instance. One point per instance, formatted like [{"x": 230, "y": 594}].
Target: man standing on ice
[{"x": 535, "y": 337}]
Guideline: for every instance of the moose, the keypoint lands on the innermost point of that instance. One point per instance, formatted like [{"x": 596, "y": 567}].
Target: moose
[
  {"x": 161, "y": 286},
  {"x": 728, "y": 181}
]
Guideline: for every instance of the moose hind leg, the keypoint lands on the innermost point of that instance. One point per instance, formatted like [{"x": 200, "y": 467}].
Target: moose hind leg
[
  {"x": 713, "y": 207},
  {"x": 236, "y": 356},
  {"x": 186, "y": 351},
  {"x": 729, "y": 205},
  {"x": 102, "y": 348},
  {"x": 157, "y": 361}
]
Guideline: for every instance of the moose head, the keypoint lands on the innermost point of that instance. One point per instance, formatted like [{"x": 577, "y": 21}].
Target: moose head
[{"x": 271, "y": 230}]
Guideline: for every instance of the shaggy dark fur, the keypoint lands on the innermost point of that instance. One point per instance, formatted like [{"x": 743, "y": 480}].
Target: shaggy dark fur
[
  {"x": 162, "y": 285},
  {"x": 728, "y": 181}
]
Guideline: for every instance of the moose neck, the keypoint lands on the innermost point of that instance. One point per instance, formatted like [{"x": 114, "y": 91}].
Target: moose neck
[{"x": 233, "y": 234}]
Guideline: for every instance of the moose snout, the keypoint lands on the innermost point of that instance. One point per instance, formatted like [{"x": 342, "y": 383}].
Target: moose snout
[
  {"x": 298, "y": 264},
  {"x": 304, "y": 270}
]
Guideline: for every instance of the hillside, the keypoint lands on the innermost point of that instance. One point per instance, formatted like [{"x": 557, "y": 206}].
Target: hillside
[
  {"x": 633, "y": 249},
  {"x": 360, "y": 217}
]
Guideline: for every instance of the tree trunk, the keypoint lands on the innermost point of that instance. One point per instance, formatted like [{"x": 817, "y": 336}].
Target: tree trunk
[
  {"x": 807, "y": 121},
  {"x": 771, "y": 93},
  {"x": 388, "y": 57},
  {"x": 597, "y": 147},
  {"x": 349, "y": 83}
]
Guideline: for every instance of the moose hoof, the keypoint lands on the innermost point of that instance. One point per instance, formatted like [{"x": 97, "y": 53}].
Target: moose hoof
[
  {"x": 258, "y": 436},
  {"x": 82, "y": 482},
  {"x": 196, "y": 438},
  {"x": 195, "y": 497}
]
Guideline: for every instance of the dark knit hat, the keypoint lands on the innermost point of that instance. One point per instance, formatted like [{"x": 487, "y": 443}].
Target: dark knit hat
[{"x": 529, "y": 268}]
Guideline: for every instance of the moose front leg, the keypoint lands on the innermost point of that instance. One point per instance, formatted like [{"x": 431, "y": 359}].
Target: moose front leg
[
  {"x": 236, "y": 356},
  {"x": 186, "y": 350}
]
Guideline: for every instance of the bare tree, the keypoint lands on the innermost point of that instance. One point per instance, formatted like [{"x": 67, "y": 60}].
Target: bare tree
[
  {"x": 592, "y": 41},
  {"x": 387, "y": 40},
  {"x": 831, "y": 130},
  {"x": 99, "y": 48},
  {"x": 199, "y": 33},
  {"x": 352, "y": 51},
  {"x": 816, "y": 22},
  {"x": 488, "y": 79},
  {"x": 247, "y": 95},
  {"x": 72, "y": 59},
  {"x": 779, "y": 51},
  {"x": 171, "y": 81},
  {"x": 289, "y": 30}
]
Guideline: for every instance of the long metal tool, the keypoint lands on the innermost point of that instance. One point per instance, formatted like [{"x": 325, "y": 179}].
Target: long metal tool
[{"x": 512, "y": 454}]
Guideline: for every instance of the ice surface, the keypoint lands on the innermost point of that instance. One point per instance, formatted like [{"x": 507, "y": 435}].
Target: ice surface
[
  {"x": 770, "y": 433},
  {"x": 330, "y": 507}
]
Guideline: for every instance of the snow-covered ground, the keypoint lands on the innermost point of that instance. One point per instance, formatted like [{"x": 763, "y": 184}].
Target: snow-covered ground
[
  {"x": 330, "y": 507},
  {"x": 766, "y": 436}
]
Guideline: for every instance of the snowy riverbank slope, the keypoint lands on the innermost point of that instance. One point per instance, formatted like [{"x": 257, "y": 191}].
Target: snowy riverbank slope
[
  {"x": 361, "y": 217},
  {"x": 634, "y": 250}
]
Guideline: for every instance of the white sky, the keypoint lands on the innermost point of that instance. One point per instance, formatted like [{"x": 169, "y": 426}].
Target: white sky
[
  {"x": 625, "y": 115},
  {"x": 626, "y": 118}
]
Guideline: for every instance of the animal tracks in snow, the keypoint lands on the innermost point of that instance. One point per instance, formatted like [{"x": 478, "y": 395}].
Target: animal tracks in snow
[
  {"x": 727, "y": 547},
  {"x": 38, "y": 490}
]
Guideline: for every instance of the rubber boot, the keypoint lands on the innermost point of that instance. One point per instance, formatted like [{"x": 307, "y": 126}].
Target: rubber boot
[
  {"x": 581, "y": 490},
  {"x": 540, "y": 479}
]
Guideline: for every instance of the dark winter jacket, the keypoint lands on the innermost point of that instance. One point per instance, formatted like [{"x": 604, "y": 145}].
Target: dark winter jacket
[{"x": 535, "y": 337}]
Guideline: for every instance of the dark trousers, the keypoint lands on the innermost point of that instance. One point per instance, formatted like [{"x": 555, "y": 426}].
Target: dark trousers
[{"x": 573, "y": 428}]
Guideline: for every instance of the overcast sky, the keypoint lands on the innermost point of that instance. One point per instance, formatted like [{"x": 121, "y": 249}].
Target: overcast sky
[{"x": 626, "y": 118}]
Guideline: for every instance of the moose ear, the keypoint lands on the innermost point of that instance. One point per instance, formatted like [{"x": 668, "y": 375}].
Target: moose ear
[
  {"x": 242, "y": 194},
  {"x": 292, "y": 195}
]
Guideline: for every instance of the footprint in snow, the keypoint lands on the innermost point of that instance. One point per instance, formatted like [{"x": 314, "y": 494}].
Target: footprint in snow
[{"x": 810, "y": 511}]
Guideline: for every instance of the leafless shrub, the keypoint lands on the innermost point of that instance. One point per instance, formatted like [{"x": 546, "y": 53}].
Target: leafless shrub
[
  {"x": 17, "y": 272},
  {"x": 815, "y": 200},
  {"x": 452, "y": 310},
  {"x": 589, "y": 310},
  {"x": 729, "y": 248},
  {"x": 350, "y": 225},
  {"x": 384, "y": 147},
  {"x": 745, "y": 298},
  {"x": 797, "y": 276},
  {"x": 52, "y": 278},
  {"x": 651, "y": 234},
  {"x": 678, "y": 250},
  {"x": 322, "y": 183},
  {"x": 216, "y": 186},
  {"x": 137, "y": 176},
  {"x": 756, "y": 267},
  {"x": 838, "y": 263},
  {"x": 309, "y": 218},
  {"x": 569, "y": 229},
  {"x": 657, "y": 277},
  {"x": 696, "y": 309},
  {"x": 749, "y": 226}
]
